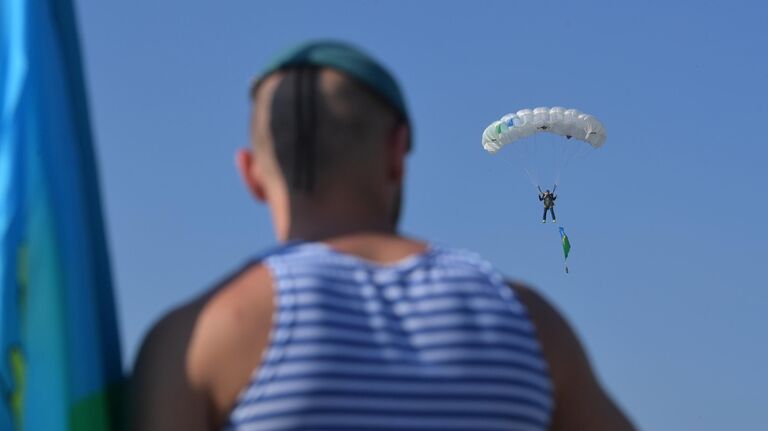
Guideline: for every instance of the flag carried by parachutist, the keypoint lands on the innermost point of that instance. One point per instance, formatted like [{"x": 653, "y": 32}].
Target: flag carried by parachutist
[{"x": 566, "y": 245}]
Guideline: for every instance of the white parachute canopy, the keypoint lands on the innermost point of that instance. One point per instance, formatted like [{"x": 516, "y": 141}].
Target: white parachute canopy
[{"x": 570, "y": 123}]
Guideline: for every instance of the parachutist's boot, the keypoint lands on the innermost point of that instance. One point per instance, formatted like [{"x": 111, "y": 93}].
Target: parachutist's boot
[
  {"x": 544, "y": 221},
  {"x": 554, "y": 221}
]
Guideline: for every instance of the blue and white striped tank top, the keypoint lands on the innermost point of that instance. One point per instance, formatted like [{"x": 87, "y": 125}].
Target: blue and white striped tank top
[{"x": 437, "y": 341}]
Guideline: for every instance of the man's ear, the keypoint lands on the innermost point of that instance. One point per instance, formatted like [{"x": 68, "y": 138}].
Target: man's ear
[
  {"x": 249, "y": 173},
  {"x": 397, "y": 150}
]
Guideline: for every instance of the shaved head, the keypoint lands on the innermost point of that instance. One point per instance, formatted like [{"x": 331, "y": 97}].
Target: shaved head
[
  {"x": 328, "y": 153},
  {"x": 337, "y": 125}
]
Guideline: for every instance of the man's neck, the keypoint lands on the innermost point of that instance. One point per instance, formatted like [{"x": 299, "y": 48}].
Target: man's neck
[{"x": 319, "y": 227}]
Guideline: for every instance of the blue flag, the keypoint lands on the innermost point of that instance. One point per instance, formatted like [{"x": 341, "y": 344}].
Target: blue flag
[{"x": 59, "y": 346}]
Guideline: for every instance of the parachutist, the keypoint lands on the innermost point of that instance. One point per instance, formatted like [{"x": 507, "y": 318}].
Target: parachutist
[{"x": 549, "y": 204}]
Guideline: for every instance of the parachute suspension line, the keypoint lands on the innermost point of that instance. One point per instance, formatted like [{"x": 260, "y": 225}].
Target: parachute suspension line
[
  {"x": 525, "y": 164},
  {"x": 559, "y": 164},
  {"x": 569, "y": 153},
  {"x": 565, "y": 155},
  {"x": 521, "y": 154},
  {"x": 556, "y": 152},
  {"x": 531, "y": 176},
  {"x": 534, "y": 182}
]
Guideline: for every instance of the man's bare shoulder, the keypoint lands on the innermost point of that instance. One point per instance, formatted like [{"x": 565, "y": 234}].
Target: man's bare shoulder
[
  {"x": 161, "y": 388},
  {"x": 580, "y": 401},
  {"x": 174, "y": 331},
  {"x": 181, "y": 356},
  {"x": 232, "y": 326},
  {"x": 551, "y": 327}
]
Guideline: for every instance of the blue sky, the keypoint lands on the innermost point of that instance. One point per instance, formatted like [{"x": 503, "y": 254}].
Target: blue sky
[{"x": 667, "y": 287}]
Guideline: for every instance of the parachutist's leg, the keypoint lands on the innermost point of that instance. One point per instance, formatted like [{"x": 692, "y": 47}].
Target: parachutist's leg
[
  {"x": 544, "y": 218},
  {"x": 552, "y": 211}
]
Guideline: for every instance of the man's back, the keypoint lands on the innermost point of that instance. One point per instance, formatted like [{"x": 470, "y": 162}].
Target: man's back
[
  {"x": 212, "y": 364},
  {"x": 435, "y": 340}
]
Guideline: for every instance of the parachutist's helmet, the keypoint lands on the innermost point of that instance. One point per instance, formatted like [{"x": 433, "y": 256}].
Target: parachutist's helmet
[{"x": 547, "y": 191}]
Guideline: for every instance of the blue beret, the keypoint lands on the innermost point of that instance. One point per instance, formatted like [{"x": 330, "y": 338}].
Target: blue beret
[{"x": 344, "y": 58}]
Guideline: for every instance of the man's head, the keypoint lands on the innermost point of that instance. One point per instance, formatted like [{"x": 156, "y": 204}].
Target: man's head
[
  {"x": 546, "y": 192},
  {"x": 329, "y": 138}
]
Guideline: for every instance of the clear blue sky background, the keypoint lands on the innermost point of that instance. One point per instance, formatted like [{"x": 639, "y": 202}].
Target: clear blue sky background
[{"x": 667, "y": 288}]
